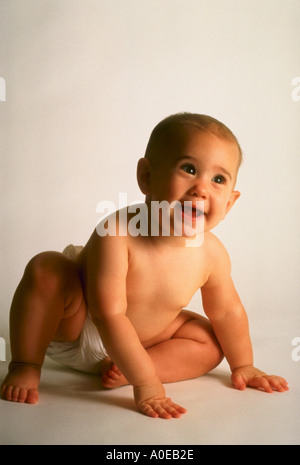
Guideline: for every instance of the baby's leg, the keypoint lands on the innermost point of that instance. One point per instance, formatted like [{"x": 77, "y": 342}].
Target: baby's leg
[
  {"x": 192, "y": 351},
  {"x": 187, "y": 349},
  {"x": 48, "y": 305}
]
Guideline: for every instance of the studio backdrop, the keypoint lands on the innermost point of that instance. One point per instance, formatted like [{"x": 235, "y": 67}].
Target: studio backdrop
[{"x": 83, "y": 83}]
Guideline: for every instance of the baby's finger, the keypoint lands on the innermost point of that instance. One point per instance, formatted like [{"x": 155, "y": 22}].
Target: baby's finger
[
  {"x": 238, "y": 382},
  {"x": 174, "y": 410},
  {"x": 157, "y": 411},
  {"x": 285, "y": 385},
  {"x": 179, "y": 408},
  {"x": 147, "y": 410},
  {"x": 162, "y": 412},
  {"x": 261, "y": 382},
  {"x": 278, "y": 383}
]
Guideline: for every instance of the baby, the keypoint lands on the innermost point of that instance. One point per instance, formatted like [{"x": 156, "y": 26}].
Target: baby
[{"x": 116, "y": 307}]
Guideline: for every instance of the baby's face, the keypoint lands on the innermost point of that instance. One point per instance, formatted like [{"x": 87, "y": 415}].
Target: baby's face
[{"x": 198, "y": 166}]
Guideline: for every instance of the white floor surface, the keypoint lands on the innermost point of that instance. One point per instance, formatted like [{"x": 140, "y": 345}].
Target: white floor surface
[{"x": 73, "y": 409}]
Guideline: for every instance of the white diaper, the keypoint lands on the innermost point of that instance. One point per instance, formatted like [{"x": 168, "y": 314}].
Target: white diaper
[
  {"x": 85, "y": 354},
  {"x": 88, "y": 351}
]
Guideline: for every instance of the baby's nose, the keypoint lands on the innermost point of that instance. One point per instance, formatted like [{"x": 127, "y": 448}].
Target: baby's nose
[{"x": 199, "y": 190}]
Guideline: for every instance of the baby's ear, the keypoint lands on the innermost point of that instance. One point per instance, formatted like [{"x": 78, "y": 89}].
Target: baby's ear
[
  {"x": 144, "y": 175},
  {"x": 232, "y": 199}
]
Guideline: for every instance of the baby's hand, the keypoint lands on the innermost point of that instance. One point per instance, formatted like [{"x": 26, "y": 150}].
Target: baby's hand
[
  {"x": 251, "y": 376},
  {"x": 161, "y": 408},
  {"x": 151, "y": 401}
]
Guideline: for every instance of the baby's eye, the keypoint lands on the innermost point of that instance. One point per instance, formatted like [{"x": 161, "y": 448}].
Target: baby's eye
[
  {"x": 188, "y": 168},
  {"x": 219, "y": 179}
]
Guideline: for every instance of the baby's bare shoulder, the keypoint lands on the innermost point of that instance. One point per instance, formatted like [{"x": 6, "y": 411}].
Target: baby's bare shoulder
[
  {"x": 104, "y": 248},
  {"x": 214, "y": 245},
  {"x": 217, "y": 255}
]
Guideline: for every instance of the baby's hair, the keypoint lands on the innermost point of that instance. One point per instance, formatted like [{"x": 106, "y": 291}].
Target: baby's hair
[{"x": 169, "y": 127}]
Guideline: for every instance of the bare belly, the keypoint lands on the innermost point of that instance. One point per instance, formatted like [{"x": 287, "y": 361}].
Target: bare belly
[{"x": 183, "y": 317}]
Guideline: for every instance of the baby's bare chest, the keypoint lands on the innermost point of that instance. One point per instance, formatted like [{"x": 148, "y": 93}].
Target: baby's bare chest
[{"x": 163, "y": 282}]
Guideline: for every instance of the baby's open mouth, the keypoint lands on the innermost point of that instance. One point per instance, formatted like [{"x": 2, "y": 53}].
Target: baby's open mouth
[{"x": 191, "y": 211}]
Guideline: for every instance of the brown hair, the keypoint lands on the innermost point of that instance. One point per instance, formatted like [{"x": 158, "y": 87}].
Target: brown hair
[{"x": 169, "y": 126}]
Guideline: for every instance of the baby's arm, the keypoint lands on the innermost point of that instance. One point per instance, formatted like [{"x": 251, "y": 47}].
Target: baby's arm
[
  {"x": 106, "y": 295},
  {"x": 223, "y": 307}
]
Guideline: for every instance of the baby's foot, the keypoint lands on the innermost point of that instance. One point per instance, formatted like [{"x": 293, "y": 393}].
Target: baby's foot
[
  {"x": 111, "y": 375},
  {"x": 21, "y": 384}
]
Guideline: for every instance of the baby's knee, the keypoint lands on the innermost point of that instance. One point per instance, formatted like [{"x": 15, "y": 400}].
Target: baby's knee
[
  {"x": 209, "y": 338},
  {"x": 217, "y": 353},
  {"x": 215, "y": 349},
  {"x": 45, "y": 273}
]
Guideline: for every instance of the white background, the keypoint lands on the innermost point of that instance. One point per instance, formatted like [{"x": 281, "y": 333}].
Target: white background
[{"x": 87, "y": 80}]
